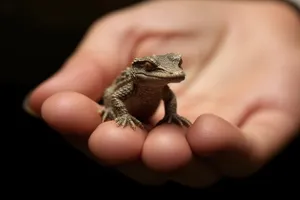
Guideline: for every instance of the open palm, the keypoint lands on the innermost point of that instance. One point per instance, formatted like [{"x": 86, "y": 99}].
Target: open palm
[{"x": 241, "y": 90}]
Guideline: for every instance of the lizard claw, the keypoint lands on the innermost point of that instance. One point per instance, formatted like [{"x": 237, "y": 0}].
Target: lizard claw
[
  {"x": 176, "y": 119},
  {"x": 126, "y": 120},
  {"x": 107, "y": 114}
]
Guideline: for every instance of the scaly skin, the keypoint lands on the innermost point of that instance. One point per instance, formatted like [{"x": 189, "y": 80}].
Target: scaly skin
[{"x": 135, "y": 95}]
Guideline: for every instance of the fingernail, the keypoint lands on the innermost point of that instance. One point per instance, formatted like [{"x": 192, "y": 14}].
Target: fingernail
[{"x": 27, "y": 108}]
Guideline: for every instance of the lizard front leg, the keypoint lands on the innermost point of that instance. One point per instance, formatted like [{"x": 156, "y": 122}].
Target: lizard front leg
[
  {"x": 170, "y": 104},
  {"x": 108, "y": 112},
  {"x": 123, "y": 118}
]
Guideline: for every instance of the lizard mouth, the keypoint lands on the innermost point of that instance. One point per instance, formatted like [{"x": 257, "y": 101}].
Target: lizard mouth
[{"x": 167, "y": 78}]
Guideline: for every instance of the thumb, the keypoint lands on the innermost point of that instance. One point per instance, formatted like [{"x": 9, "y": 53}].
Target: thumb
[{"x": 103, "y": 52}]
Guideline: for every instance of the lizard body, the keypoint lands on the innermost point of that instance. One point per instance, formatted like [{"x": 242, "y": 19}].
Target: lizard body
[{"x": 136, "y": 93}]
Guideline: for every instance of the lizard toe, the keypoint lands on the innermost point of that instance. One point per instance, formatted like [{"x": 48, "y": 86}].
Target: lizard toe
[
  {"x": 175, "y": 119},
  {"x": 107, "y": 114},
  {"x": 128, "y": 120},
  {"x": 186, "y": 122},
  {"x": 104, "y": 116},
  {"x": 182, "y": 121}
]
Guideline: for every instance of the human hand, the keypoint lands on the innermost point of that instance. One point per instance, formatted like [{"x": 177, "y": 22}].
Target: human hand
[{"x": 241, "y": 92}]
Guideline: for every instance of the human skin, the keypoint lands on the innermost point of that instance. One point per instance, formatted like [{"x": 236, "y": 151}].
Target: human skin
[{"x": 241, "y": 91}]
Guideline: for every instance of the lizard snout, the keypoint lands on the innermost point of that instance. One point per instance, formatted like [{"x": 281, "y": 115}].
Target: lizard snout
[{"x": 178, "y": 73}]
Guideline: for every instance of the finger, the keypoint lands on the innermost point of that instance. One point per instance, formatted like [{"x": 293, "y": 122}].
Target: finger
[
  {"x": 268, "y": 132},
  {"x": 166, "y": 148},
  {"x": 104, "y": 51},
  {"x": 71, "y": 113},
  {"x": 210, "y": 136},
  {"x": 235, "y": 151},
  {"x": 74, "y": 115},
  {"x": 116, "y": 145}
]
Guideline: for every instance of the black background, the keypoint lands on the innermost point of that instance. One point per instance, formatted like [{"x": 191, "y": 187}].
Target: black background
[{"x": 36, "y": 38}]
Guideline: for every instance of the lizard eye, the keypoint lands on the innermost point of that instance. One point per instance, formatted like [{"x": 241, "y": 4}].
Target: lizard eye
[{"x": 148, "y": 66}]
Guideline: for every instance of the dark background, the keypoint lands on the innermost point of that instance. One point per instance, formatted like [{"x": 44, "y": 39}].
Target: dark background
[{"x": 36, "y": 38}]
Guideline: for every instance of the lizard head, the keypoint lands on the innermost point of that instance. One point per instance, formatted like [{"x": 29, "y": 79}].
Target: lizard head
[{"x": 159, "y": 69}]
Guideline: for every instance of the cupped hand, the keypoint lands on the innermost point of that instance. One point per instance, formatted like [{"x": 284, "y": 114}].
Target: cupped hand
[{"x": 241, "y": 92}]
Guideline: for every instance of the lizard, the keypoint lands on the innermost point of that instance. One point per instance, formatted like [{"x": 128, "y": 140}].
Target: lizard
[{"x": 136, "y": 93}]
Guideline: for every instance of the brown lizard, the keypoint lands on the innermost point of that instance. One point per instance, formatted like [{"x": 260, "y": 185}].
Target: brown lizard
[{"x": 135, "y": 94}]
